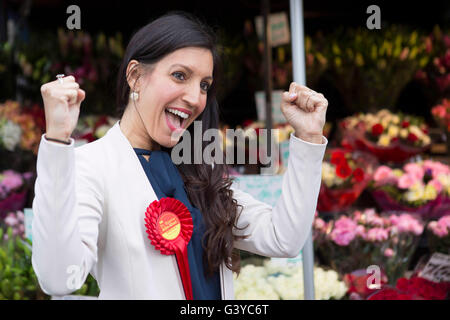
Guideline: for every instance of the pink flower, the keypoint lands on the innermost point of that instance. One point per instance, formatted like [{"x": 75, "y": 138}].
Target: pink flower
[
  {"x": 384, "y": 174},
  {"x": 377, "y": 234},
  {"x": 319, "y": 224},
  {"x": 388, "y": 252},
  {"x": 11, "y": 180},
  {"x": 406, "y": 223},
  {"x": 406, "y": 181},
  {"x": 11, "y": 219},
  {"x": 344, "y": 231},
  {"x": 415, "y": 170},
  {"x": 437, "y": 168},
  {"x": 445, "y": 221},
  {"x": 437, "y": 229}
]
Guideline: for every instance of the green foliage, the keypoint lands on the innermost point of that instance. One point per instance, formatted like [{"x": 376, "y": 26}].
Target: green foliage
[{"x": 17, "y": 278}]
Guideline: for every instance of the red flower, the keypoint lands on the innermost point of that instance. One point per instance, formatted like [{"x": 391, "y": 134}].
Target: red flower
[
  {"x": 343, "y": 170},
  {"x": 412, "y": 137},
  {"x": 377, "y": 129},
  {"x": 337, "y": 157},
  {"x": 358, "y": 173},
  {"x": 405, "y": 124}
]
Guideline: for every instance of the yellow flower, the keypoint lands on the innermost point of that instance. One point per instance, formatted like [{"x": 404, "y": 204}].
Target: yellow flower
[
  {"x": 384, "y": 140},
  {"x": 395, "y": 119},
  {"x": 430, "y": 192},
  {"x": 397, "y": 172},
  {"x": 359, "y": 60},
  {"x": 415, "y": 193},
  {"x": 404, "y": 133},
  {"x": 393, "y": 131},
  {"x": 426, "y": 140}
]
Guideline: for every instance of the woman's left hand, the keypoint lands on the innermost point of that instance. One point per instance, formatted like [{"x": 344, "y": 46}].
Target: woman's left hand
[{"x": 305, "y": 111}]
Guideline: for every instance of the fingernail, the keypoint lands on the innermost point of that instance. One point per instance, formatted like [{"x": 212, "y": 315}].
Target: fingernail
[{"x": 292, "y": 95}]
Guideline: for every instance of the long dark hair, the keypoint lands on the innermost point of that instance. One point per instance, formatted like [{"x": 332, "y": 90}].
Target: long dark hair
[{"x": 208, "y": 188}]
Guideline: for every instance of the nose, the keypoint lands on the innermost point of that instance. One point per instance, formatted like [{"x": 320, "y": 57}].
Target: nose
[{"x": 193, "y": 96}]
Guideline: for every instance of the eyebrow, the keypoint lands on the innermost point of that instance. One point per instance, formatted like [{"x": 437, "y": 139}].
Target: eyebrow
[{"x": 190, "y": 70}]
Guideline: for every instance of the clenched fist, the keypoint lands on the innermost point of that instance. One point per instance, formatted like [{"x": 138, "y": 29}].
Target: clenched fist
[
  {"x": 305, "y": 111},
  {"x": 62, "y": 107}
]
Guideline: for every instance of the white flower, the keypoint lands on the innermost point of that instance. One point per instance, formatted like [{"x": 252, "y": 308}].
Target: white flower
[
  {"x": 10, "y": 134},
  {"x": 285, "y": 282}
]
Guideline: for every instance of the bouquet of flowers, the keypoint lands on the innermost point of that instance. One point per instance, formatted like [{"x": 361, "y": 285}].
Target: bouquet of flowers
[
  {"x": 388, "y": 136},
  {"x": 439, "y": 235},
  {"x": 364, "y": 238},
  {"x": 345, "y": 174},
  {"x": 441, "y": 114},
  {"x": 272, "y": 281},
  {"x": 415, "y": 288},
  {"x": 422, "y": 187},
  {"x": 14, "y": 187}
]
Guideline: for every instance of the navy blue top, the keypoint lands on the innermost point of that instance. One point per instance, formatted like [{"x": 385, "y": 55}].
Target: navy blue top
[{"x": 167, "y": 182}]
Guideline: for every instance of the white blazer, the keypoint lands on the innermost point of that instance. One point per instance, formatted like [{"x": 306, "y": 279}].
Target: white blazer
[{"x": 89, "y": 210}]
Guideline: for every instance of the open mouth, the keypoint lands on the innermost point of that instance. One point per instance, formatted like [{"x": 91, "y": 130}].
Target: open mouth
[{"x": 176, "y": 119}]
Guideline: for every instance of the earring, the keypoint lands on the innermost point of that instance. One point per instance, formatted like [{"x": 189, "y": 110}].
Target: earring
[{"x": 134, "y": 96}]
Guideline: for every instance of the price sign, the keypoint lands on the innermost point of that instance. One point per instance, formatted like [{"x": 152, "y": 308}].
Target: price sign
[{"x": 437, "y": 269}]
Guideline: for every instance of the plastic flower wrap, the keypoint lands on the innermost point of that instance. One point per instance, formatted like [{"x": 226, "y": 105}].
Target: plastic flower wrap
[
  {"x": 415, "y": 288},
  {"x": 273, "y": 282},
  {"x": 439, "y": 235},
  {"x": 388, "y": 136},
  {"x": 363, "y": 238},
  {"x": 422, "y": 187},
  {"x": 345, "y": 174}
]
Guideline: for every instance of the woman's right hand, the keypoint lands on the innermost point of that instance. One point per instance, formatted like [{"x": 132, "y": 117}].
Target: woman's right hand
[{"x": 62, "y": 107}]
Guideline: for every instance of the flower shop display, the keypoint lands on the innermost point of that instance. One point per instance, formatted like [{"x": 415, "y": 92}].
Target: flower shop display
[
  {"x": 363, "y": 238},
  {"x": 370, "y": 69},
  {"x": 415, "y": 288},
  {"x": 345, "y": 174},
  {"x": 14, "y": 187},
  {"x": 272, "y": 281},
  {"x": 421, "y": 187},
  {"x": 92, "y": 59},
  {"x": 436, "y": 73},
  {"x": 389, "y": 136},
  {"x": 439, "y": 235}
]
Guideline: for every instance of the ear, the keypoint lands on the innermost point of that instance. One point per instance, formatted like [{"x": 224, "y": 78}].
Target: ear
[{"x": 133, "y": 75}]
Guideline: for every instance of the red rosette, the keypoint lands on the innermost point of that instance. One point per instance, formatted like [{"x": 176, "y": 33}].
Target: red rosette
[{"x": 169, "y": 228}]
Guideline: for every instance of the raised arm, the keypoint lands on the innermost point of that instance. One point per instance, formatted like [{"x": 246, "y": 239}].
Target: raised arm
[{"x": 281, "y": 231}]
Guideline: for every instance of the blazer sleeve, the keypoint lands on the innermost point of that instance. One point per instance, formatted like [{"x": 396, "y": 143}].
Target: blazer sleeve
[
  {"x": 281, "y": 231},
  {"x": 67, "y": 210}
]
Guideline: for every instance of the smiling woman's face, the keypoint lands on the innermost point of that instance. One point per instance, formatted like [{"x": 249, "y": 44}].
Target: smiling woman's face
[{"x": 174, "y": 93}]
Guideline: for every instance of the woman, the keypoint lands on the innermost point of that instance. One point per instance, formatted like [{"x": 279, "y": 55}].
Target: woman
[{"x": 90, "y": 201}]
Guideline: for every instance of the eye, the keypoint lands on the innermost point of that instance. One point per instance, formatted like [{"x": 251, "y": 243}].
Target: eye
[
  {"x": 205, "y": 86},
  {"x": 177, "y": 74}
]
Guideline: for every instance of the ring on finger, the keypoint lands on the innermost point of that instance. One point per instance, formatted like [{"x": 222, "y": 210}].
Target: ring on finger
[{"x": 60, "y": 78}]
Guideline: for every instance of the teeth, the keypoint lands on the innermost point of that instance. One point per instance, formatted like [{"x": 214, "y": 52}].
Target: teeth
[{"x": 178, "y": 113}]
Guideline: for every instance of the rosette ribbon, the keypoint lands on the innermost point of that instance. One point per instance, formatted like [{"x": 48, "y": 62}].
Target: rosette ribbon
[{"x": 169, "y": 229}]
